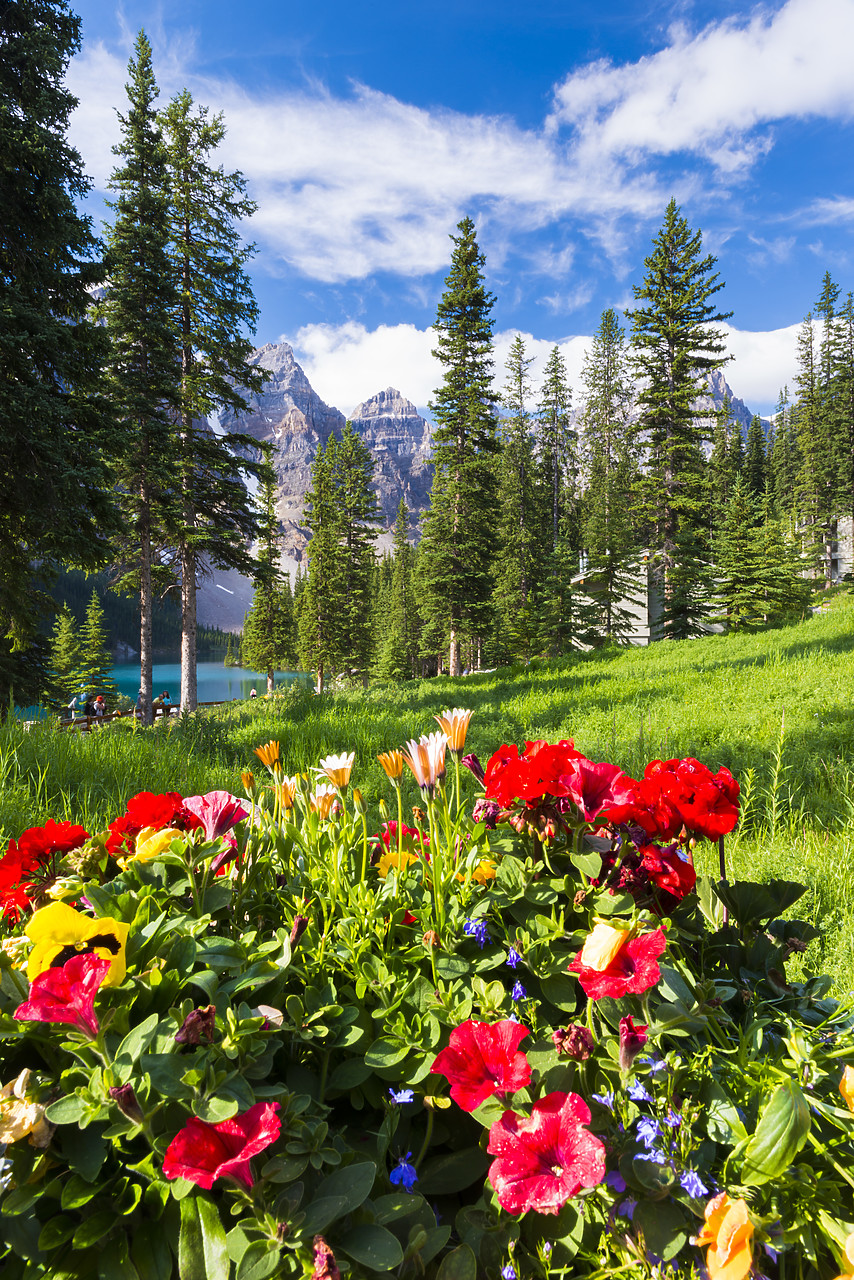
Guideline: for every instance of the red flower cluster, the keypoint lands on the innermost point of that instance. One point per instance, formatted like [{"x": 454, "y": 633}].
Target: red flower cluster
[
  {"x": 537, "y": 772},
  {"x": 677, "y": 794},
  {"x": 631, "y": 971},
  {"x": 29, "y": 861},
  {"x": 67, "y": 994},
  {"x": 482, "y": 1059},
  {"x": 148, "y": 810},
  {"x": 546, "y": 1158},
  {"x": 202, "y": 1152}
]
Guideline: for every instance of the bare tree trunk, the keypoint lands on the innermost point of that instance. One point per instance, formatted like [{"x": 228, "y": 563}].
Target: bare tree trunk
[
  {"x": 189, "y": 686},
  {"x": 145, "y": 609},
  {"x": 454, "y": 652},
  {"x": 270, "y": 674},
  {"x": 319, "y": 685}
]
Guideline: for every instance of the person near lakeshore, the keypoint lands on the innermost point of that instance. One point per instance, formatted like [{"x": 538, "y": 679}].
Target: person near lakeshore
[
  {"x": 100, "y": 705},
  {"x": 89, "y": 705},
  {"x": 166, "y": 702},
  {"x": 253, "y": 693},
  {"x": 140, "y": 704}
]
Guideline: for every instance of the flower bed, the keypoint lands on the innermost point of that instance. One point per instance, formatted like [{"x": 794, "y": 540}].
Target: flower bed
[{"x": 512, "y": 1036}]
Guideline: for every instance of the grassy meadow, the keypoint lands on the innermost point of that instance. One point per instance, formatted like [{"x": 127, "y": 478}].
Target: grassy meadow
[{"x": 776, "y": 708}]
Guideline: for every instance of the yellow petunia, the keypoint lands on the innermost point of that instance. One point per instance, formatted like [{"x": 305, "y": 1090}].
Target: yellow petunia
[
  {"x": 21, "y": 1118},
  {"x": 59, "y": 932},
  {"x": 394, "y": 861},
  {"x": 150, "y": 843},
  {"x": 484, "y": 871},
  {"x": 602, "y": 945}
]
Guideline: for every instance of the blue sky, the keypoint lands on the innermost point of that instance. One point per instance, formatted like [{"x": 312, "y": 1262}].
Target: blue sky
[{"x": 366, "y": 131}]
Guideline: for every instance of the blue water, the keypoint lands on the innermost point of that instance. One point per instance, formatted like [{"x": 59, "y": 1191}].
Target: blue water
[{"x": 216, "y": 683}]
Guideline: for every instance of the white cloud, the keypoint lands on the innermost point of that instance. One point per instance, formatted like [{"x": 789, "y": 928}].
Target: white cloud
[
  {"x": 764, "y": 363},
  {"x": 827, "y": 212},
  {"x": 707, "y": 93}
]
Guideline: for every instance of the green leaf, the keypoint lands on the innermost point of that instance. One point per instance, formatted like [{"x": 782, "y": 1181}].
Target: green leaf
[
  {"x": 151, "y": 1255},
  {"x": 93, "y": 1229},
  {"x": 66, "y": 1110},
  {"x": 353, "y": 1184},
  {"x": 386, "y": 1053},
  {"x": 752, "y": 903},
  {"x": 561, "y": 991},
  {"x": 373, "y": 1247},
  {"x": 459, "y": 1264},
  {"x": 86, "y": 1151},
  {"x": 114, "y": 1261},
  {"x": 780, "y": 1134},
  {"x": 258, "y": 1262},
  {"x": 454, "y": 1172},
  {"x": 322, "y": 1211},
  {"x": 450, "y": 968},
  {"x": 350, "y": 1074},
  {"x": 202, "y": 1252},
  {"x": 216, "y": 897},
  {"x": 56, "y": 1232},
  {"x": 136, "y": 1041},
  {"x": 215, "y": 1110},
  {"x": 78, "y": 1191},
  {"x": 665, "y": 1230}
]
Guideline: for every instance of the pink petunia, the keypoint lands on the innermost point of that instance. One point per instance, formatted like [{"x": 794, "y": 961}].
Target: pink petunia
[
  {"x": 544, "y": 1159},
  {"x": 217, "y": 811},
  {"x": 482, "y": 1059},
  {"x": 68, "y": 994},
  {"x": 591, "y": 786},
  {"x": 202, "y": 1152},
  {"x": 631, "y": 971}
]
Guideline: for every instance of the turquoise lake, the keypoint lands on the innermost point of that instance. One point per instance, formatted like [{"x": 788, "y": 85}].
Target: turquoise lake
[{"x": 216, "y": 683}]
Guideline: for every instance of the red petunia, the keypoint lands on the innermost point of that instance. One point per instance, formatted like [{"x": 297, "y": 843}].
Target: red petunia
[
  {"x": 631, "y": 971},
  {"x": 545, "y": 1159},
  {"x": 538, "y": 772},
  {"x": 52, "y": 838},
  {"x": 592, "y": 786},
  {"x": 668, "y": 870},
  {"x": 202, "y": 1152},
  {"x": 67, "y": 994},
  {"x": 482, "y": 1059},
  {"x": 146, "y": 809},
  {"x": 29, "y": 863}
]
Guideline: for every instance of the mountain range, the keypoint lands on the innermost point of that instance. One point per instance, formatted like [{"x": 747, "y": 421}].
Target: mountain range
[{"x": 290, "y": 416}]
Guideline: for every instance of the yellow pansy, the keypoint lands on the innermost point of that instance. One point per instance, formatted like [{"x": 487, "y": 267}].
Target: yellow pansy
[
  {"x": 484, "y": 871},
  {"x": 150, "y": 843},
  {"x": 20, "y": 1118},
  {"x": 602, "y": 945},
  {"x": 59, "y": 932},
  {"x": 394, "y": 861}
]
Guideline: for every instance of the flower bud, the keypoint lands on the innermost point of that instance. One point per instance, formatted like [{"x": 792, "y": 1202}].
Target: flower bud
[
  {"x": 247, "y": 777},
  {"x": 575, "y": 1041},
  {"x": 632, "y": 1040},
  {"x": 126, "y": 1101},
  {"x": 359, "y": 801},
  {"x": 199, "y": 1025},
  {"x": 298, "y": 928},
  {"x": 430, "y": 939}
]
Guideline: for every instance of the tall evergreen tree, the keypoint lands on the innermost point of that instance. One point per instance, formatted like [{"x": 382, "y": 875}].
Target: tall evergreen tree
[
  {"x": 215, "y": 310},
  {"x": 356, "y": 524},
  {"x": 845, "y": 452},
  {"x": 458, "y": 543},
  {"x": 269, "y": 628},
  {"x": 144, "y": 363},
  {"x": 64, "y": 662},
  {"x": 320, "y": 634},
  {"x": 398, "y": 647},
  {"x": 610, "y": 543},
  {"x": 740, "y": 560},
  {"x": 55, "y": 429},
  {"x": 558, "y": 494},
  {"x": 784, "y": 462},
  {"x": 815, "y": 483},
  {"x": 755, "y": 462},
  {"x": 95, "y": 662},
  {"x": 676, "y": 343},
  {"x": 518, "y": 519}
]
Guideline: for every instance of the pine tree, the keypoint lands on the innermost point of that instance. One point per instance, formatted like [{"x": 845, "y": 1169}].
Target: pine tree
[
  {"x": 321, "y": 637},
  {"x": 398, "y": 647},
  {"x": 269, "y": 628},
  {"x": 609, "y": 539},
  {"x": 755, "y": 462},
  {"x": 357, "y": 522},
  {"x": 518, "y": 519},
  {"x": 64, "y": 658},
  {"x": 814, "y": 489},
  {"x": 458, "y": 543},
  {"x": 215, "y": 311},
  {"x": 558, "y": 493},
  {"x": 784, "y": 461},
  {"x": 845, "y": 452},
  {"x": 95, "y": 662},
  {"x": 740, "y": 560},
  {"x": 144, "y": 363},
  {"x": 55, "y": 428},
  {"x": 677, "y": 342}
]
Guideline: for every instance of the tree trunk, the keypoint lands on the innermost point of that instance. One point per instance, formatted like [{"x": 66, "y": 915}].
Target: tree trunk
[
  {"x": 319, "y": 684},
  {"x": 145, "y": 609},
  {"x": 269, "y": 681},
  {"x": 454, "y": 652},
  {"x": 189, "y": 686}
]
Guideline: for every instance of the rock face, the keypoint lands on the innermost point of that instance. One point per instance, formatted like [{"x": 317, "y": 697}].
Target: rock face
[
  {"x": 399, "y": 439},
  {"x": 719, "y": 388}
]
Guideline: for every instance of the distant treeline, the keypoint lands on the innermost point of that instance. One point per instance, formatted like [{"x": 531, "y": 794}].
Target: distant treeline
[{"x": 121, "y": 613}]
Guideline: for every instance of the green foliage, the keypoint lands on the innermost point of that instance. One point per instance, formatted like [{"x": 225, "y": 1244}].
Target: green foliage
[
  {"x": 676, "y": 342},
  {"x": 458, "y": 543},
  {"x": 55, "y": 428},
  {"x": 95, "y": 662},
  {"x": 398, "y": 623}
]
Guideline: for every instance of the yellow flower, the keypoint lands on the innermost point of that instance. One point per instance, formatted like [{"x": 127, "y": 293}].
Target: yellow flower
[
  {"x": 728, "y": 1232},
  {"x": 846, "y": 1087},
  {"x": 20, "y": 1118},
  {"x": 247, "y": 777},
  {"x": 151, "y": 843},
  {"x": 269, "y": 755},
  {"x": 454, "y": 724},
  {"x": 392, "y": 762},
  {"x": 602, "y": 945},
  {"x": 337, "y": 768},
  {"x": 848, "y": 1260},
  {"x": 394, "y": 861},
  {"x": 59, "y": 932},
  {"x": 484, "y": 871}
]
